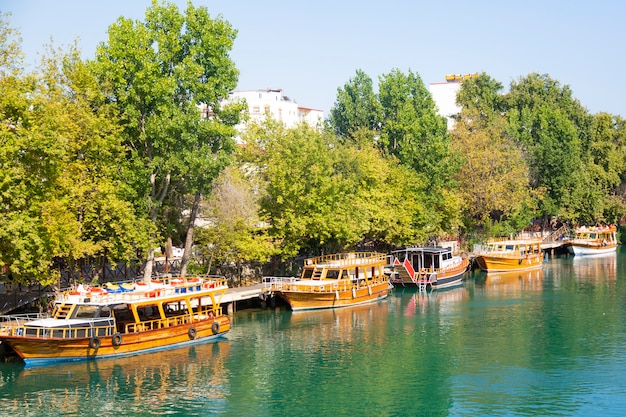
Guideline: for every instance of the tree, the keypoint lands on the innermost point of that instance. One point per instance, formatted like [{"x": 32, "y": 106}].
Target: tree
[
  {"x": 494, "y": 179},
  {"x": 157, "y": 72},
  {"x": 414, "y": 133},
  {"x": 554, "y": 131},
  {"x": 481, "y": 93},
  {"x": 61, "y": 193},
  {"x": 356, "y": 107},
  {"x": 320, "y": 196},
  {"x": 606, "y": 165},
  {"x": 234, "y": 233}
]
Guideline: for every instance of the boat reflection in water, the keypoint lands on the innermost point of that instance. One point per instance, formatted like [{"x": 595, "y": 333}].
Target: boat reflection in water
[
  {"x": 327, "y": 327},
  {"x": 441, "y": 301},
  {"x": 595, "y": 267},
  {"x": 197, "y": 371},
  {"x": 513, "y": 283}
]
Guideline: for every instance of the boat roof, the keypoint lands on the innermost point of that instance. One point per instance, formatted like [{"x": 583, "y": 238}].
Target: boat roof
[
  {"x": 139, "y": 292},
  {"x": 424, "y": 249},
  {"x": 596, "y": 229},
  {"x": 515, "y": 242},
  {"x": 346, "y": 260}
]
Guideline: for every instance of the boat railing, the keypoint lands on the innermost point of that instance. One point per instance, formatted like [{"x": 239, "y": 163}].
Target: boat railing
[
  {"x": 325, "y": 285},
  {"x": 171, "y": 321},
  {"x": 164, "y": 287},
  {"x": 348, "y": 259},
  {"x": 277, "y": 283},
  {"x": 87, "y": 328},
  {"x": 17, "y": 320}
]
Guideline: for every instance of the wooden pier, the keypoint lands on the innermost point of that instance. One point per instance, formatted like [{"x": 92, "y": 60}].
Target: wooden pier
[{"x": 241, "y": 294}]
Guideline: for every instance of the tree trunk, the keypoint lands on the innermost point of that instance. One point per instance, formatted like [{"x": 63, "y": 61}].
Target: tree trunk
[
  {"x": 147, "y": 272},
  {"x": 189, "y": 238}
]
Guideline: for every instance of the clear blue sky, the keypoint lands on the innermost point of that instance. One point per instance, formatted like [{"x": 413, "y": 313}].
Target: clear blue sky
[{"x": 311, "y": 48}]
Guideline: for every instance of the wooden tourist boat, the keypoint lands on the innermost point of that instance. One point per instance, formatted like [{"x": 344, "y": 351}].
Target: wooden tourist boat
[
  {"x": 119, "y": 320},
  {"x": 510, "y": 255},
  {"x": 428, "y": 267},
  {"x": 331, "y": 281},
  {"x": 593, "y": 240}
]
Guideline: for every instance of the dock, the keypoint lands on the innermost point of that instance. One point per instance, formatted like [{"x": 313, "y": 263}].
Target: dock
[{"x": 241, "y": 294}]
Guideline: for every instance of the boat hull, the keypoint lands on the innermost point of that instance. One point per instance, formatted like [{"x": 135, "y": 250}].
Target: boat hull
[
  {"x": 312, "y": 300},
  {"x": 589, "y": 250},
  {"x": 496, "y": 263},
  {"x": 38, "y": 351},
  {"x": 440, "y": 279}
]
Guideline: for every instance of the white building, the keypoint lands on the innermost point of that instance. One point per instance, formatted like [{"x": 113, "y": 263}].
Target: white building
[
  {"x": 272, "y": 103},
  {"x": 444, "y": 95}
]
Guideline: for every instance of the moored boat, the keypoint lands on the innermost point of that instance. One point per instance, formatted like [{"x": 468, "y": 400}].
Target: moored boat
[
  {"x": 598, "y": 240},
  {"x": 510, "y": 255},
  {"x": 331, "y": 281},
  {"x": 433, "y": 267},
  {"x": 120, "y": 320}
]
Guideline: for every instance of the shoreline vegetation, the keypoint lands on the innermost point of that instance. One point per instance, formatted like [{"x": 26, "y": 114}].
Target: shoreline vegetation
[{"x": 109, "y": 157}]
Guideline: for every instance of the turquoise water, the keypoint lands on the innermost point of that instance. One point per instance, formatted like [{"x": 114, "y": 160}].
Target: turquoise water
[{"x": 549, "y": 342}]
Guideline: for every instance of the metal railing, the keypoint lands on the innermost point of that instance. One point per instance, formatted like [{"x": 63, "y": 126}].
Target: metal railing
[
  {"x": 326, "y": 285},
  {"x": 24, "y": 326}
]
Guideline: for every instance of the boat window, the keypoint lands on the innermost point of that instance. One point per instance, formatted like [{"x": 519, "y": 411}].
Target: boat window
[
  {"x": 510, "y": 247},
  {"x": 148, "y": 312},
  {"x": 86, "y": 312},
  {"x": 308, "y": 273},
  {"x": 332, "y": 274},
  {"x": 174, "y": 308},
  {"x": 121, "y": 312}
]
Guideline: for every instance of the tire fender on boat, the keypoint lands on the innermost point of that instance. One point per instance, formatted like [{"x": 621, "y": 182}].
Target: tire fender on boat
[
  {"x": 192, "y": 333},
  {"x": 94, "y": 342},
  {"x": 215, "y": 327},
  {"x": 116, "y": 339}
]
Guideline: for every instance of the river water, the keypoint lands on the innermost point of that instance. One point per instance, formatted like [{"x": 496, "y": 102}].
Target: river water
[{"x": 547, "y": 342}]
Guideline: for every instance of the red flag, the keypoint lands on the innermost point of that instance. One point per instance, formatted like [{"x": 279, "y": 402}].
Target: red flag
[
  {"x": 409, "y": 268},
  {"x": 396, "y": 261}
]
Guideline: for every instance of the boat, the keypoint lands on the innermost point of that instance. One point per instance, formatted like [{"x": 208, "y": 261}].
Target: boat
[
  {"x": 119, "y": 319},
  {"x": 510, "y": 255},
  {"x": 598, "y": 240},
  {"x": 428, "y": 267},
  {"x": 332, "y": 281}
]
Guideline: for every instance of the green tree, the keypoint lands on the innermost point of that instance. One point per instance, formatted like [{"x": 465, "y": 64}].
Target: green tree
[
  {"x": 482, "y": 93},
  {"x": 157, "y": 72},
  {"x": 322, "y": 196},
  {"x": 413, "y": 132},
  {"x": 235, "y": 233},
  {"x": 494, "y": 179},
  {"x": 554, "y": 130},
  {"x": 61, "y": 193},
  {"x": 357, "y": 107},
  {"x": 606, "y": 165}
]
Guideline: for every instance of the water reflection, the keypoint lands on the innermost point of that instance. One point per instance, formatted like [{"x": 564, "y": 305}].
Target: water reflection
[
  {"x": 513, "y": 283},
  {"x": 147, "y": 381},
  {"x": 423, "y": 302},
  {"x": 593, "y": 267},
  {"x": 326, "y": 327}
]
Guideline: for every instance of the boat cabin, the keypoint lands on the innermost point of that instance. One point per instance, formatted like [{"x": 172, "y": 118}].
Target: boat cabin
[{"x": 428, "y": 258}]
